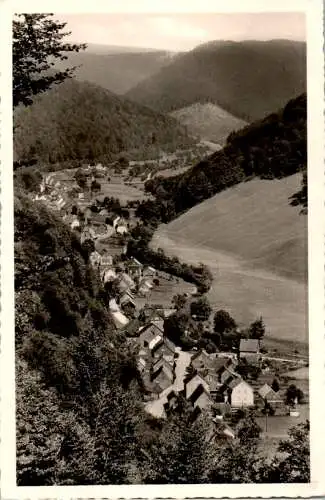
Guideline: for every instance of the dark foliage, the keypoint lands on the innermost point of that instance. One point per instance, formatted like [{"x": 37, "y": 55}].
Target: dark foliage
[
  {"x": 79, "y": 121},
  {"x": 37, "y": 45}
]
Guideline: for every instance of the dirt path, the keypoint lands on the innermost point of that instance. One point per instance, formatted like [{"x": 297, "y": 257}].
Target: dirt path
[{"x": 245, "y": 292}]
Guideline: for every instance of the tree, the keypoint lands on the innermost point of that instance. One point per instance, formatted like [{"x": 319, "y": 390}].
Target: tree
[
  {"x": 223, "y": 322},
  {"x": 181, "y": 454},
  {"x": 257, "y": 329},
  {"x": 248, "y": 430},
  {"x": 95, "y": 186},
  {"x": 37, "y": 46},
  {"x": 293, "y": 393},
  {"x": 201, "y": 309},
  {"x": 275, "y": 385},
  {"x": 81, "y": 178},
  {"x": 179, "y": 301},
  {"x": 291, "y": 463}
]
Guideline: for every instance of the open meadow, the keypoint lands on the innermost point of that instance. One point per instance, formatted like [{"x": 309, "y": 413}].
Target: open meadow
[{"x": 254, "y": 242}]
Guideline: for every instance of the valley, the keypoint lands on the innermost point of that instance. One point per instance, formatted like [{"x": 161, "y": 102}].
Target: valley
[{"x": 161, "y": 265}]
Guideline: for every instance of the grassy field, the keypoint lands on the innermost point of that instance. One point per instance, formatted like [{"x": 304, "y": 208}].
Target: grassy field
[
  {"x": 119, "y": 190},
  {"x": 164, "y": 292},
  {"x": 208, "y": 121},
  {"x": 254, "y": 242}
]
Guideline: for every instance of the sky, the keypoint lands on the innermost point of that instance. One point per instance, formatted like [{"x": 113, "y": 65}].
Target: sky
[{"x": 181, "y": 32}]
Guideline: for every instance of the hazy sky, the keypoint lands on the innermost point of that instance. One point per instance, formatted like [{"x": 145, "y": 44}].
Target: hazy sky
[{"x": 178, "y": 32}]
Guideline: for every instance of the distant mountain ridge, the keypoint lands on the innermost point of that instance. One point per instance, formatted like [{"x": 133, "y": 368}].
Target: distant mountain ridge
[
  {"x": 117, "y": 69},
  {"x": 249, "y": 79},
  {"x": 80, "y": 120}
]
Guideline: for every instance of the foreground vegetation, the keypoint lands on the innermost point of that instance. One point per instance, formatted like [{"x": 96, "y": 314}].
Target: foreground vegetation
[{"x": 79, "y": 413}]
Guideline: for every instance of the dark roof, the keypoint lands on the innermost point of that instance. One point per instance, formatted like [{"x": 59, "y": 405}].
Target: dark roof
[
  {"x": 197, "y": 393},
  {"x": 249, "y": 345}
]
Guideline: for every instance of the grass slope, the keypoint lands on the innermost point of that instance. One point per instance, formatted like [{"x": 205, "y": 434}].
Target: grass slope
[
  {"x": 255, "y": 245},
  {"x": 79, "y": 120},
  {"x": 249, "y": 79},
  {"x": 208, "y": 121}
]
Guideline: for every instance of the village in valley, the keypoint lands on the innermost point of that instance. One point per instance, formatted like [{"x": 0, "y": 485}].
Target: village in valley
[{"x": 99, "y": 204}]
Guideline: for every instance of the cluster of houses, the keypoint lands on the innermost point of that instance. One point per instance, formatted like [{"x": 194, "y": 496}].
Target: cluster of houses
[{"x": 209, "y": 382}]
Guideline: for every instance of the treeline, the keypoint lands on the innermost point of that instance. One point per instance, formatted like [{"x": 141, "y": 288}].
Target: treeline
[
  {"x": 81, "y": 121},
  {"x": 271, "y": 148},
  {"x": 138, "y": 247}
]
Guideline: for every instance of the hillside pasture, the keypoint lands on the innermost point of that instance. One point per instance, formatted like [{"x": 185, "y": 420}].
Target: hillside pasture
[
  {"x": 208, "y": 121},
  {"x": 254, "y": 243},
  {"x": 118, "y": 189},
  {"x": 165, "y": 291}
]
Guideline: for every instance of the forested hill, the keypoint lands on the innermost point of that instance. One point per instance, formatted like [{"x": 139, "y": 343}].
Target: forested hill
[
  {"x": 79, "y": 120},
  {"x": 70, "y": 363},
  {"x": 249, "y": 79},
  {"x": 271, "y": 148}
]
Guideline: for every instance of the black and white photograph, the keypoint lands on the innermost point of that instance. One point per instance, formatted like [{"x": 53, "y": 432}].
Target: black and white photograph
[{"x": 161, "y": 245}]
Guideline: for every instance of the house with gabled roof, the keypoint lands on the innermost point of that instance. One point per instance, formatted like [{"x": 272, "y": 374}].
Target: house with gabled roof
[
  {"x": 239, "y": 393},
  {"x": 162, "y": 362},
  {"x": 108, "y": 275},
  {"x": 193, "y": 383},
  {"x": 161, "y": 379},
  {"x": 249, "y": 349},
  {"x": 165, "y": 349},
  {"x": 106, "y": 260},
  {"x": 147, "y": 334},
  {"x": 200, "y": 398},
  {"x": 268, "y": 394},
  {"x": 125, "y": 282},
  {"x": 127, "y": 299},
  {"x": 94, "y": 259}
]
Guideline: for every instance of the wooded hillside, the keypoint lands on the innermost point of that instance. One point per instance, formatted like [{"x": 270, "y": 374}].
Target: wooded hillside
[
  {"x": 249, "y": 79},
  {"x": 79, "y": 120}
]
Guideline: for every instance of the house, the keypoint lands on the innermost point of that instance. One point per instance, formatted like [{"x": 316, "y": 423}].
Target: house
[
  {"x": 108, "y": 275},
  {"x": 87, "y": 234},
  {"x": 154, "y": 343},
  {"x": 125, "y": 282},
  {"x": 135, "y": 268},
  {"x": 121, "y": 229},
  {"x": 148, "y": 333},
  {"x": 75, "y": 224},
  {"x": 127, "y": 300},
  {"x": 239, "y": 393},
  {"x": 249, "y": 349},
  {"x": 115, "y": 221},
  {"x": 94, "y": 259},
  {"x": 113, "y": 305},
  {"x": 106, "y": 260},
  {"x": 149, "y": 272},
  {"x": 200, "y": 398},
  {"x": 119, "y": 319},
  {"x": 268, "y": 394},
  {"x": 193, "y": 383},
  {"x": 161, "y": 379},
  {"x": 144, "y": 288},
  {"x": 163, "y": 363},
  {"x": 165, "y": 349}
]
